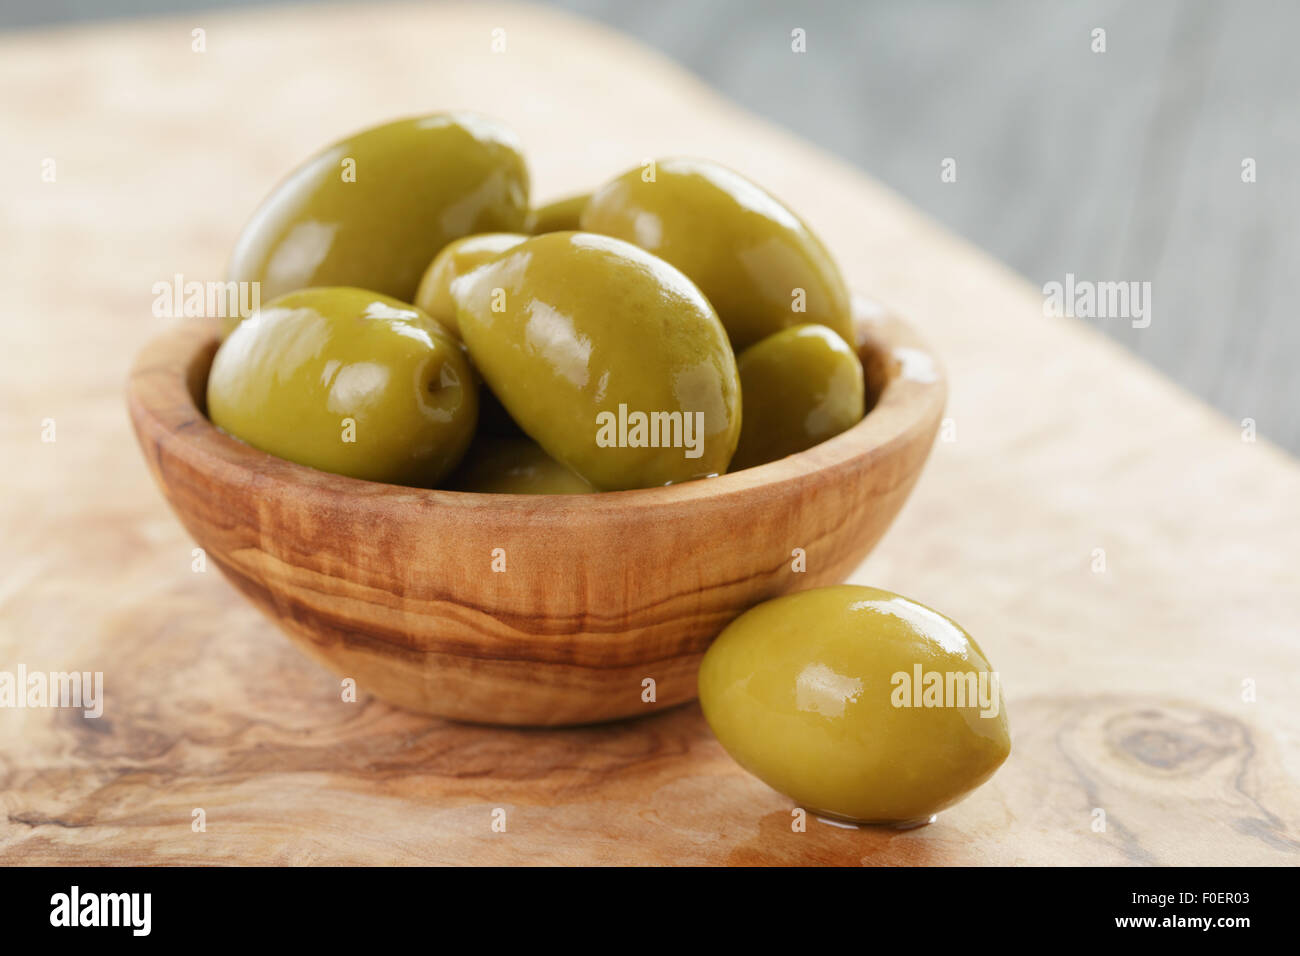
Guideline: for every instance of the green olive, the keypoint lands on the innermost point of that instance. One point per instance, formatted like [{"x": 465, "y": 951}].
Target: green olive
[
  {"x": 559, "y": 216},
  {"x": 829, "y": 696},
  {"x": 373, "y": 210},
  {"x": 606, "y": 356},
  {"x": 759, "y": 265},
  {"x": 800, "y": 386},
  {"x": 514, "y": 466},
  {"x": 347, "y": 381},
  {"x": 456, "y": 259},
  {"x": 434, "y": 297}
]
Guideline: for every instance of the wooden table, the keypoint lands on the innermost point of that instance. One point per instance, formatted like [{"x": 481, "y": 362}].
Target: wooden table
[{"x": 1128, "y": 560}]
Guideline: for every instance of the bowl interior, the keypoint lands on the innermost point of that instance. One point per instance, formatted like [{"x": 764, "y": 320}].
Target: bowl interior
[{"x": 893, "y": 358}]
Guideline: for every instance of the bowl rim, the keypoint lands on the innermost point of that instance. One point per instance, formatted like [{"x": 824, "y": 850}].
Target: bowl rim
[{"x": 161, "y": 403}]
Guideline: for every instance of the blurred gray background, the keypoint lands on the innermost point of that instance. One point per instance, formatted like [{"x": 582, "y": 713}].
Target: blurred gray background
[{"x": 1117, "y": 166}]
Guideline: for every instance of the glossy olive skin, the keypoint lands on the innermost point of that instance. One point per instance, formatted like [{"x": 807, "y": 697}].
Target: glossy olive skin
[
  {"x": 562, "y": 215},
  {"x": 419, "y": 184},
  {"x": 514, "y": 466},
  {"x": 290, "y": 375},
  {"x": 801, "y": 691},
  {"x": 567, "y": 327},
  {"x": 434, "y": 297},
  {"x": 746, "y": 251},
  {"x": 455, "y": 260},
  {"x": 801, "y": 386}
]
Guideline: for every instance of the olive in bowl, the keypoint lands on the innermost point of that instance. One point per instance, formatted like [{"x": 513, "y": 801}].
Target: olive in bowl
[
  {"x": 514, "y": 466},
  {"x": 608, "y": 357},
  {"x": 371, "y": 210},
  {"x": 560, "y": 215},
  {"x": 800, "y": 386},
  {"x": 455, "y": 260},
  {"x": 758, "y": 263},
  {"x": 347, "y": 381}
]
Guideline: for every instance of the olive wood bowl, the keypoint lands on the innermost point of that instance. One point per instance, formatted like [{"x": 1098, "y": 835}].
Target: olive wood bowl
[{"x": 607, "y": 601}]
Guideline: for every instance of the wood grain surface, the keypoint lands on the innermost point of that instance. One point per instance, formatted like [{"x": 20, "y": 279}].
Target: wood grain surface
[{"x": 1127, "y": 559}]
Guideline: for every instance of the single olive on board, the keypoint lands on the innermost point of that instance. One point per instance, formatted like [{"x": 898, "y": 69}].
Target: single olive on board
[
  {"x": 758, "y": 264},
  {"x": 514, "y": 466},
  {"x": 456, "y": 259},
  {"x": 347, "y": 381},
  {"x": 562, "y": 215},
  {"x": 828, "y": 696},
  {"x": 606, "y": 356},
  {"x": 372, "y": 210},
  {"x": 800, "y": 387}
]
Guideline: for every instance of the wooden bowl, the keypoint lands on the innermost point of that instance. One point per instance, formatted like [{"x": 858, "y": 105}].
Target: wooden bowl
[{"x": 601, "y": 594}]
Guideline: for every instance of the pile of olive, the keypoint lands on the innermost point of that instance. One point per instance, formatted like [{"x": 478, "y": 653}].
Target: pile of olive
[{"x": 422, "y": 325}]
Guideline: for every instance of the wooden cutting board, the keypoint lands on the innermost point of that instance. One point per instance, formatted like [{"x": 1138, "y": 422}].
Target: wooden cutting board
[{"x": 1127, "y": 558}]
